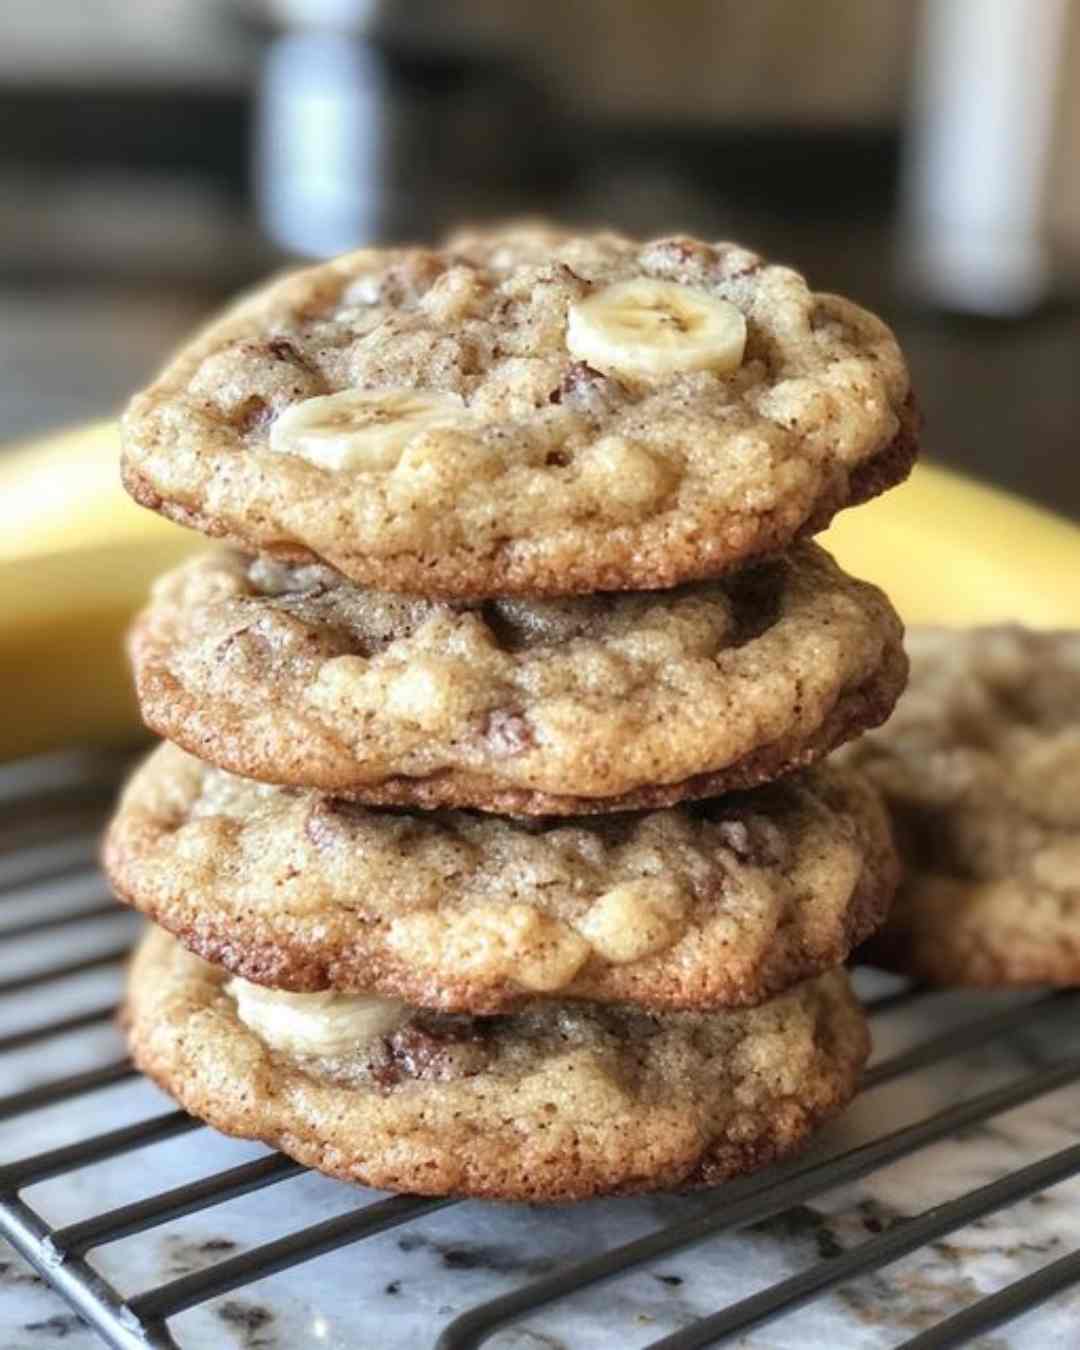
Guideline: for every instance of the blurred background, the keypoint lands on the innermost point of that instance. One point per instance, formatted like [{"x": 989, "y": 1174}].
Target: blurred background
[{"x": 923, "y": 158}]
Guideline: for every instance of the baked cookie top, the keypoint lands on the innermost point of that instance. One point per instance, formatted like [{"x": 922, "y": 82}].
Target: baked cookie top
[
  {"x": 554, "y": 1102},
  {"x": 526, "y": 412},
  {"x": 980, "y": 765},
  {"x": 724, "y": 902},
  {"x": 290, "y": 674}
]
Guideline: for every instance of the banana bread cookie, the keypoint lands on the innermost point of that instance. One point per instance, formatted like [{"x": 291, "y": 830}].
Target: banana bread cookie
[
  {"x": 290, "y": 674},
  {"x": 526, "y": 412},
  {"x": 981, "y": 767},
  {"x": 720, "y": 903},
  {"x": 553, "y": 1102}
]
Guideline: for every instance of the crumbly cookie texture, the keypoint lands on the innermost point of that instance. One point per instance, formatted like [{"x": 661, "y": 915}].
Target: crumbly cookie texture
[
  {"x": 981, "y": 768},
  {"x": 292, "y": 674},
  {"x": 721, "y": 903},
  {"x": 426, "y": 421},
  {"x": 554, "y": 1102}
]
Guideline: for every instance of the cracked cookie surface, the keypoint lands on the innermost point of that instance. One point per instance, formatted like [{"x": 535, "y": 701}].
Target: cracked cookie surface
[
  {"x": 553, "y": 1102},
  {"x": 719, "y": 903},
  {"x": 499, "y": 461},
  {"x": 291, "y": 674},
  {"x": 980, "y": 766}
]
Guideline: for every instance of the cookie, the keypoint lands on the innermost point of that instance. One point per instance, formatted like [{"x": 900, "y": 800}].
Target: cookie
[
  {"x": 291, "y": 674},
  {"x": 720, "y": 903},
  {"x": 526, "y": 412},
  {"x": 981, "y": 768},
  {"x": 553, "y": 1102}
]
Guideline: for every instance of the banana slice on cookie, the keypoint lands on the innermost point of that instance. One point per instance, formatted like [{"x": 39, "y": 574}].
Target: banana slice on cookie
[
  {"x": 646, "y": 329},
  {"x": 362, "y": 429},
  {"x": 315, "y": 1024}
]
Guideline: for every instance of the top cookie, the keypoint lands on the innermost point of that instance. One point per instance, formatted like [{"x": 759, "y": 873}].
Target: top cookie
[
  {"x": 981, "y": 767},
  {"x": 526, "y": 412}
]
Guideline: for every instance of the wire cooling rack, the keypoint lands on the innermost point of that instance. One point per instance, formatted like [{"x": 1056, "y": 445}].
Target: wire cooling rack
[{"x": 51, "y": 813}]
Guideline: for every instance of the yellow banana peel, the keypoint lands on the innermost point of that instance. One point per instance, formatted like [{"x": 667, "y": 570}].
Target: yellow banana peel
[
  {"x": 62, "y": 623},
  {"x": 77, "y": 558},
  {"x": 64, "y": 493},
  {"x": 949, "y": 550}
]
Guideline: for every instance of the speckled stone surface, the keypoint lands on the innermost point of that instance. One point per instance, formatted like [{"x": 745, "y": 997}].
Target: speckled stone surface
[{"x": 395, "y": 1292}]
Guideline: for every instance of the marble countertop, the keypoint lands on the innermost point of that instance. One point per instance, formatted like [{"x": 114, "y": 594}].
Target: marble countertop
[{"x": 396, "y": 1291}]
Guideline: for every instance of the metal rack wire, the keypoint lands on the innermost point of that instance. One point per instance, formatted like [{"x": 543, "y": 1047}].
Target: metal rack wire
[{"x": 35, "y": 857}]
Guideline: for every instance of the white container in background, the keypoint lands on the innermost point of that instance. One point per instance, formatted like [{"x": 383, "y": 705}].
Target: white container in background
[{"x": 986, "y": 80}]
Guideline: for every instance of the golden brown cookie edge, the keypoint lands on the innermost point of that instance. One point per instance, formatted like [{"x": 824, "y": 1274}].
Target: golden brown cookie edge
[
  {"x": 352, "y": 954},
  {"x": 659, "y": 564},
  {"x": 171, "y": 712},
  {"x": 158, "y": 1052}
]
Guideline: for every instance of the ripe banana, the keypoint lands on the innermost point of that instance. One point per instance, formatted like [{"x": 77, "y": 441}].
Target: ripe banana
[
  {"x": 76, "y": 560},
  {"x": 64, "y": 493},
  {"x": 361, "y": 429},
  {"x": 949, "y": 550},
  {"x": 646, "y": 329},
  {"x": 315, "y": 1024},
  {"x": 62, "y": 621}
]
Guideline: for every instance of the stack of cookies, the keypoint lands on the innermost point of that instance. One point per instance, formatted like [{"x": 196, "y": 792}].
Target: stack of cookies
[{"x": 491, "y": 852}]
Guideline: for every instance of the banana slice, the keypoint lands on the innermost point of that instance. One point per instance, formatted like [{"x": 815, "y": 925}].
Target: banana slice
[
  {"x": 315, "y": 1024},
  {"x": 646, "y": 329},
  {"x": 361, "y": 429}
]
